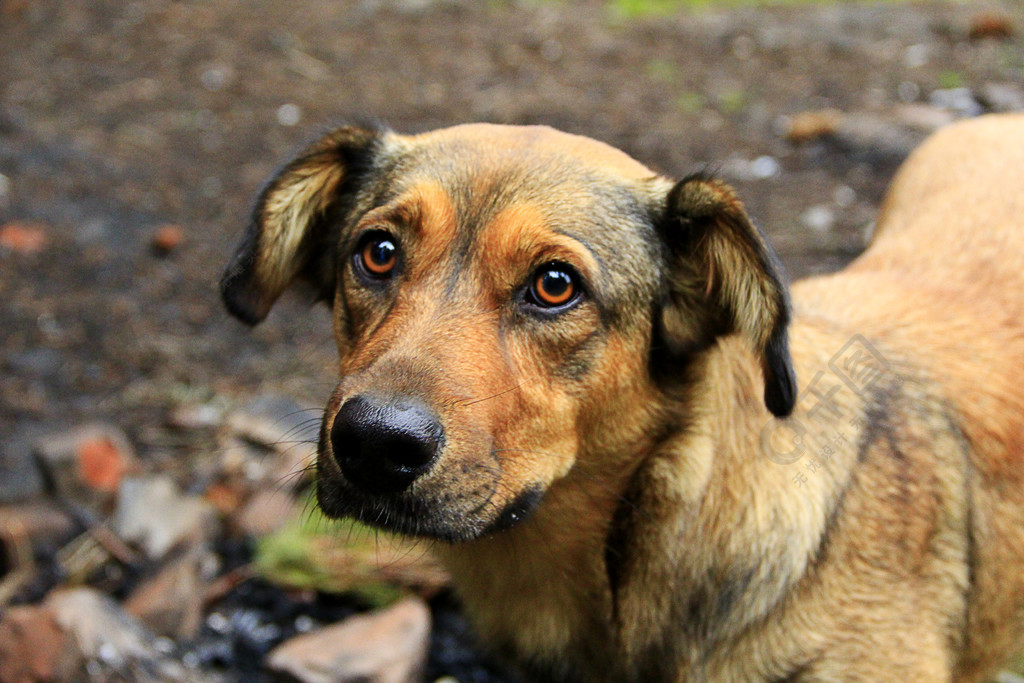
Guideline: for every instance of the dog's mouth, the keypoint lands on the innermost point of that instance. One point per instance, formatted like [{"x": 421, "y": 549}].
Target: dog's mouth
[{"x": 445, "y": 515}]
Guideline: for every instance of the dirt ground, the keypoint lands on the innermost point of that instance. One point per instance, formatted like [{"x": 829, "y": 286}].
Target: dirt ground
[{"x": 119, "y": 118}]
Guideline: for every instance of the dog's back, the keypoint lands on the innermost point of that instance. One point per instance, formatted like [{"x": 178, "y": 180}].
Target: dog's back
[{"x": 943, "y": 283}]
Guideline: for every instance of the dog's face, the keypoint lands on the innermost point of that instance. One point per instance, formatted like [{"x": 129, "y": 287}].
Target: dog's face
[{"x": 504, "y": 301}]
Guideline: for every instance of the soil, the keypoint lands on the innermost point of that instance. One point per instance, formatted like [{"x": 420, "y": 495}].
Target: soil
[
  {"x": 134, "y": 136},
  {"x": 119, "y": 118}
]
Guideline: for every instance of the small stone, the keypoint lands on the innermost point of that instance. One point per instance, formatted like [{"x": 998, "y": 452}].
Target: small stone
[
  {"x": 225, "y": 498},
  {"x": 761, "y": 168},
  {"x": 844, "y": 196},
  {"x": 101, "y": 464},
  {"x": 908, "y": 91},
  {"x": 812, "y": 125},
  {"x": 958, "y": 100},
  {"x": 764, "y": 167},
  {"x": 875, "y": 139},
  {"x": 196, "y": 416},
  {"x": 217, "y": 77},
  {"x": 916, "y": 56},
  {"x": 152, "y": 513},
  {"x": 166, "y": 239},
  {"x": 266, "y": 511},
  {"x": 87, "y": 463},
  {"x": 41, "y": 523},
  {"x": 818, "y": 218},
  {"x": 924, "y": 117},
  {"x": 283, "y": 424},
  {"x": 33, "y": 647},
  {"x": 1002, "y": 97},
  {"x": 23, "y": 237},
  {"x": 289, "y": 114},
  {"x": 20, "y": 476},
  {"x": 170, "y": 603},
  {"x": 244, "y": 462},
  {"x": 276, "y": 421},
  {"x": 387, "y": 647},
  {"x": 110, "y": 640},
  {"x": 990, "y": 25}
]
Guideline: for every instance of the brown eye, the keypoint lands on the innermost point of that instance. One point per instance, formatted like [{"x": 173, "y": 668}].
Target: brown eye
[
  {"x": 378, "y": 256},
  {"x": 554, "y": 286}
]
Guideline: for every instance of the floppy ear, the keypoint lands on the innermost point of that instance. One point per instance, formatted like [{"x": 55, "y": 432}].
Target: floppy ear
[
  {"x": 290, "y": 234},
  {"x": 722, "y": 277}
]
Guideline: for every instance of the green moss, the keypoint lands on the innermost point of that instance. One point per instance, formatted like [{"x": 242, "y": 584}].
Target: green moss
[
  {"x": 951, "y": 79},
  {"x": 732, "y": 101},
  {"x": 313, "y": 552},
  {"x": 690, "y": 102}
]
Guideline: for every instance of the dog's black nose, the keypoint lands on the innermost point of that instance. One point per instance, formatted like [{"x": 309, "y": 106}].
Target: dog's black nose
[{"x": 383, "y": 446}]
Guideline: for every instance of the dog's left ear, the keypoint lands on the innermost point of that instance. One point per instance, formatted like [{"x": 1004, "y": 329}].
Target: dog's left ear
[
  {"x": 293, "y": 232},
  {"x": 722, "y": 277}
]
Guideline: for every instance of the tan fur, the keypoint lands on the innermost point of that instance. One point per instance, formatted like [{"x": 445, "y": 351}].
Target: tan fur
[{"x": 683, "y": 532}]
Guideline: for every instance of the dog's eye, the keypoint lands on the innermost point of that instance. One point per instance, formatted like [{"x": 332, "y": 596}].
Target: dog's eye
[
  {"x": 554, "y": 286},
  {"x": 377, "y": 255}
]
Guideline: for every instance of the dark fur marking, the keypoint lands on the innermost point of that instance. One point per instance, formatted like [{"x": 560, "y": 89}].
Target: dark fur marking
[
  {"x": 876, "y": 414},
  {"x": 576, "y": 364},
  {"x": 972, "y": 551},
  {"x": 712, "y": 602},
  {"x": 616, "y": 547},
  {"x": 795, "y": 674},
  {"x": 831, "y": 524}
]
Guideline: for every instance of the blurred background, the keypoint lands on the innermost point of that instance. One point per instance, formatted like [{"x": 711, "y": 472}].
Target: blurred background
[{"x": 155, "y": 522}]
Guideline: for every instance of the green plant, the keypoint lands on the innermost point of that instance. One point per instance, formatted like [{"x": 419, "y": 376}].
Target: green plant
[{"x": 313, "y": 552}]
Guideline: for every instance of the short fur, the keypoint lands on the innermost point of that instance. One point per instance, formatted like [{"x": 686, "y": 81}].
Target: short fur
[{"x": 620, "y": 495}]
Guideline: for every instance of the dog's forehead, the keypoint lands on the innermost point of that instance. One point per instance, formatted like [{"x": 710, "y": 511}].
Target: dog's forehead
[
  {"x": 493, "y": 147},
  {"x": 485, "y": 169}
]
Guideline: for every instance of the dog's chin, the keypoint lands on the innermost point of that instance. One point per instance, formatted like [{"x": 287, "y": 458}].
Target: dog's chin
[{"x": 411, "y": 515}]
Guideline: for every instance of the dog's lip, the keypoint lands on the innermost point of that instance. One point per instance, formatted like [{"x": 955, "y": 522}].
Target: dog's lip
[
  {"x": 406, "y": 513},
  {"x": 516, "y": 511}
]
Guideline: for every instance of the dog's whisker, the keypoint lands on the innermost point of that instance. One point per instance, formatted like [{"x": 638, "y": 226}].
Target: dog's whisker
[{"x": 487, "y": 398}]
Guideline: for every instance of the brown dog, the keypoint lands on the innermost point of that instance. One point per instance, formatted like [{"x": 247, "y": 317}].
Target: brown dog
[{"x": 558, "y": 364}]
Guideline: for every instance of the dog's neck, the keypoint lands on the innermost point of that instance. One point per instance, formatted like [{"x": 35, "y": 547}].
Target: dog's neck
[
  {"x": 541, "y": 587},
  {"x": 584, "y": 566}
]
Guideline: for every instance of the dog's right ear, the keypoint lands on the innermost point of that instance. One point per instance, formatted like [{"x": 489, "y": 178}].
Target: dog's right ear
[
  {"x": 290, "y": 235},
  {"x": 723, "y": 277}
]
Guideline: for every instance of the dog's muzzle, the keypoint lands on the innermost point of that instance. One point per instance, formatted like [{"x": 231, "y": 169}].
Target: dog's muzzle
[{"x": 383, "y": 446}]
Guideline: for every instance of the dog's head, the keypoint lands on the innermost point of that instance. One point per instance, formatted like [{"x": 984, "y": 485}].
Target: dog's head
[{"x": 503, "y": 297}]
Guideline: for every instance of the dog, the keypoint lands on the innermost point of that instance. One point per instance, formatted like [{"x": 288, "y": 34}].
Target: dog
[{"x": 579, "y": 380}]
